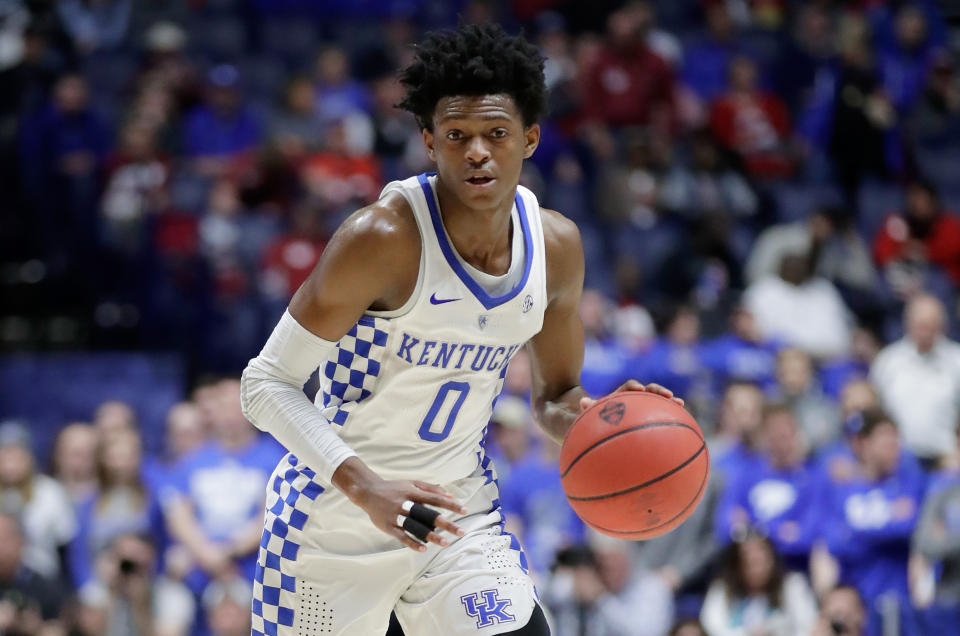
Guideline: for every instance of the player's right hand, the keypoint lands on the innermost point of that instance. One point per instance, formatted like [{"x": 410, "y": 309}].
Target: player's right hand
[{"x": 383, "y": 501}]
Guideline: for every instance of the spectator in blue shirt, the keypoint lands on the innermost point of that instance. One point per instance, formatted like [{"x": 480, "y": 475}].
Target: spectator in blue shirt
[
  {"x": 706, "y": 60},
  {"x": 837, "y": 373},
  {"x": 866, "y": 521},
  {"x": 817, "y": 415},
  {"x": 673, "y": 360},
  {"x": 339, "y": 95},
  {"x": 508, "y": 441},
  {"x": 734, "y": 447},
  {"x": 216, "y": 508},
  {"x": 777, "y": 497},
  {"x": 224, "y": 125},
  {"x": 802, "y": 56},
  {"x": 743, "y": 355},
  {"x": 604, "y": 358},
  {"x": 906, "y": 62},
  {"x": 63, "y": 147},
  {"x": 186, "y": 431},
  {"x": 837, "y": 460},
  {"x": 124, "y": 503},
  {"x": 536, "y": 507},
  {"x": 95, "y": 25}
]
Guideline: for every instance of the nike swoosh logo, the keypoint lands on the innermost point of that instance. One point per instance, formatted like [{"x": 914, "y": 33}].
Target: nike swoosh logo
[{"x": 437, "y": 301}]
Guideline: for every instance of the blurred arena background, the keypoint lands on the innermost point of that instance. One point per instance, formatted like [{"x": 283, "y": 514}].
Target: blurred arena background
[{"x": 766, "y": 191}]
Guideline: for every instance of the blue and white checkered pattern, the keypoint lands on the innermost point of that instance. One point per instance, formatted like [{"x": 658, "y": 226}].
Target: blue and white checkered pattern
[
  {"x": 489, "y": 474},
  {"x": 350, "y": 375},
  {"x": 274, "y": 588}
]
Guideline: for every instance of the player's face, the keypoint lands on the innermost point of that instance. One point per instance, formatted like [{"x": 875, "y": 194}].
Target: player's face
[{"x": 479, "y": 143}]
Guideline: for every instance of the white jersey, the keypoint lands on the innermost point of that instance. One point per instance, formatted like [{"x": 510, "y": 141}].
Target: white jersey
[{"x": 411, "y": 390}]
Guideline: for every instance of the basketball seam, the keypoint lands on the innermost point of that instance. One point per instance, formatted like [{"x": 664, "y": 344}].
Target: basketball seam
[
  {"x": 702, "y": 448},
  {"x": 623, "y": 432},
  {"x": 696, "y": 497}
]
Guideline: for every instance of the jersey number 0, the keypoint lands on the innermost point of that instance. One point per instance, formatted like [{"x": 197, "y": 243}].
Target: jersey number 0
[{"x": 461, "y": 389}]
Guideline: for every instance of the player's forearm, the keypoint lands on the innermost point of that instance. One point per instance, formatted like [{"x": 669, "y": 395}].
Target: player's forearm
[
  {"x": 355, "y": 479},
  {"x": 272, "y": 396},
  {"x": 556, "y": 415}
]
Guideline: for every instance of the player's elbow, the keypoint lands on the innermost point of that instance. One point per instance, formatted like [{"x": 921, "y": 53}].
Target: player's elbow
[{"x": 253, "y": 384}]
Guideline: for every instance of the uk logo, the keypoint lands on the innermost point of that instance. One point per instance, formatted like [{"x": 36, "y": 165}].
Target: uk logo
[{"x": 487, "y": 608}]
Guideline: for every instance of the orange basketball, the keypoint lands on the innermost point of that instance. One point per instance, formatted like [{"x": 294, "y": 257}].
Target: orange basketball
[{"x": 634, "y": 465}]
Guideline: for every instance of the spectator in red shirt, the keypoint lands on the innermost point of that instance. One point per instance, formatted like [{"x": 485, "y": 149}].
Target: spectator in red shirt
[
  {"x": 344, "y": 173},
  {"x": 923, "y": 234},
  {"x": 752, "y": 123},
  {"x": 289, "y": 259},
  {"x": 629, "y": 84}
]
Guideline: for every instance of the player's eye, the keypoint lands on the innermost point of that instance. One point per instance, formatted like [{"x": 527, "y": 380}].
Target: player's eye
[
  {"x": 499, "y": 133},
  {"x": 454, "y": 135}
]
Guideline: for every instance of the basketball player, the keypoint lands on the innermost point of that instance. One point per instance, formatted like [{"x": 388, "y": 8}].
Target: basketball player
[{"x": 412, "y": 315}]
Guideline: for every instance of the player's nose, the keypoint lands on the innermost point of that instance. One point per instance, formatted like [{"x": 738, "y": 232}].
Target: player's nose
[{"x": 477, "y": 151}]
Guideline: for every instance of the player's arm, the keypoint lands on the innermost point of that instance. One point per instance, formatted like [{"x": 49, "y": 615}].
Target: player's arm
[
  {"x": 556, "y": 353},
  {"x": 371, "y": 262}
]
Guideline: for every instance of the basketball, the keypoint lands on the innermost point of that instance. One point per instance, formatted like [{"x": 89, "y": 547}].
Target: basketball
[{"x": 634, "y": 465}]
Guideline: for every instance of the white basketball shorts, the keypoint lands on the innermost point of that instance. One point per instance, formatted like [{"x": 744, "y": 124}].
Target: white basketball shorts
[{"x": 324, "y": 568}]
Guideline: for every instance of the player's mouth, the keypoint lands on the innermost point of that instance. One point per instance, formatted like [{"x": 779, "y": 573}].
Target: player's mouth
[{"x": 480, "y": 181}]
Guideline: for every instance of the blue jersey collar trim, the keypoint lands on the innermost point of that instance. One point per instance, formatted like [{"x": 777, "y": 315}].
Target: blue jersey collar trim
[{"x": 488, "y": 301}]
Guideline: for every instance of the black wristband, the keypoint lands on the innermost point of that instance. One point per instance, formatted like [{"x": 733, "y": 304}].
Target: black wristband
[
  {"x": 416, "y": 528},
  {"x": 426, "y": 516}
]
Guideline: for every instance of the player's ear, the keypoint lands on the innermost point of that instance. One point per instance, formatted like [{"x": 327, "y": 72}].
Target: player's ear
[
  {"x": 531, "y": 139},
  {"x": 428, "y": 143}
]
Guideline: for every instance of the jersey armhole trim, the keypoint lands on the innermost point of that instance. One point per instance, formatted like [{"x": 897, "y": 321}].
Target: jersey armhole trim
[{"x": 421, "y": 274}]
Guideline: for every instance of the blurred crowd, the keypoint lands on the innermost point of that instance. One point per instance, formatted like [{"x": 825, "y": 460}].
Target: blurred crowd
[
  {"x": 113, "y": 541},
  {"x": 764, "y": 189},
  {"x": 828, "y": 510}
]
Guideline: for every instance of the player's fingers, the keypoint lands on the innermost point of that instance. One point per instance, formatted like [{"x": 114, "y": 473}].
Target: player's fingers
[
  {"x": 422, "y": 485},
  {"x": 656, "y": 388},
  {"x": 664, "y": 391},
  {"x": 443, "y": 523},
  {"x": 446, "y": 502},
  {"x": 586, "y": 403},
  {"x": 433, "y": 537},
  {"x": 406, "y": 540}
]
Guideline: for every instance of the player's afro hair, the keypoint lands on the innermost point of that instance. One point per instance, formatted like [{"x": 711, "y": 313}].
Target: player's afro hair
[{"x": 475, "y": 59}]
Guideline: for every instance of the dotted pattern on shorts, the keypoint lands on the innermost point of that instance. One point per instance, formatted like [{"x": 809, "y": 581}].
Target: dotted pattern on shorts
[{"x": 274, "y": 589}]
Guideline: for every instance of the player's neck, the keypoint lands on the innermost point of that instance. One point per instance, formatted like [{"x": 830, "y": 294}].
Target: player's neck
[{"x": 480, "y": 236}]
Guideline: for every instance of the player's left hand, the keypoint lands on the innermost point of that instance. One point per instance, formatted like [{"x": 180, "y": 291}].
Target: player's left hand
[{"x": 633, "y": 385}]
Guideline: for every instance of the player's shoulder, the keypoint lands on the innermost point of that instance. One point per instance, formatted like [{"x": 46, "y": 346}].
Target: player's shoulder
[
  {"x": 387, "y": 222},
  {"x": 381, "y": 239},
  {"x": 559, "y": 232}
]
